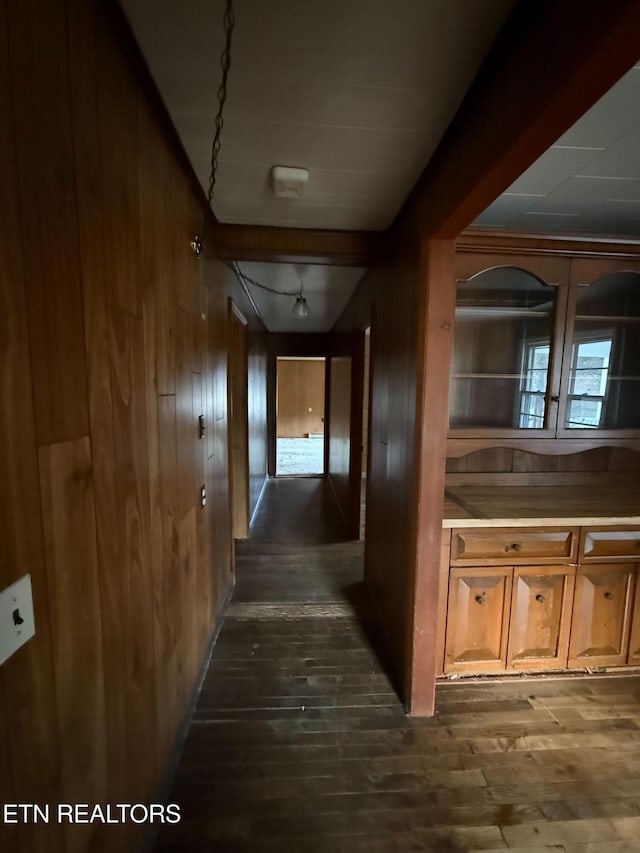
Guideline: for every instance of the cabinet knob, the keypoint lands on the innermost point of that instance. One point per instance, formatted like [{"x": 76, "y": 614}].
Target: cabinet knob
[
  {"x": 480, "y": 599},
  {"x": 516, "y": 546},
  {"x": 540, "y": 598},
  {"x": 608, "y": 595}
]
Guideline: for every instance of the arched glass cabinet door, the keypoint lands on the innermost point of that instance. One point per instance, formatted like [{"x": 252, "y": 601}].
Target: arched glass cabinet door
[
  {"x": 504, "y": 377},
  {"x": 601, "y": 371}
]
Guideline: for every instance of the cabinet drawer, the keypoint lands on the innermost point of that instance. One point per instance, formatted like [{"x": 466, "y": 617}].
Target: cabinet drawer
[
  {"x": 514, "y": 545},
  {"x": 611, "y": 543}
]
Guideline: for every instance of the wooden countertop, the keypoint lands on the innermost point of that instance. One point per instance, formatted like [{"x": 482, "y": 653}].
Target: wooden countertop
[{"x": 544, "y": 506}]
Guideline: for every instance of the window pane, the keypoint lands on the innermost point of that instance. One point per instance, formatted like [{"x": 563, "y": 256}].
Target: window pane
[{"x": 502, "y": 344}]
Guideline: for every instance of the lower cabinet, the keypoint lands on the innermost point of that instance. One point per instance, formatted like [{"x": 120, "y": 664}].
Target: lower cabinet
[
  {"x": 503, "y": 618},
  {"x": 478, "y": 623},
  {"x": 508, "y": 618},
  {"x": 602, "y": 612},
  {"x": 540, "y": 617}
]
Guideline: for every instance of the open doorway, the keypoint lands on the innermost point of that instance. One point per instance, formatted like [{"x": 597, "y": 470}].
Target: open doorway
[{"x": 300, "y": 417}]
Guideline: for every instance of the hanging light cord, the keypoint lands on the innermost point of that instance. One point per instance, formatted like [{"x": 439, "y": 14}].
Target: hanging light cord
[
  {"x": 225, "y": 62},
  {"x": 248, "y": 280}
]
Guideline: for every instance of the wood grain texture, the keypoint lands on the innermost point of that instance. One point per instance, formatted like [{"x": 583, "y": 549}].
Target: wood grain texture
[
  {"x": 68, "y": 512},
  {"x": 52, "y": 281},
  {"x": 339, "y": 428},
  {"x": 32, "y": 769},
  {"x": 103, "y": 496}
]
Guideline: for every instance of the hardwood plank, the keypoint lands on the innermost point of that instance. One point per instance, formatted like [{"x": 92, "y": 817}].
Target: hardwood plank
[
  {"x": 41, "y": 110},
  {"x": 68, "y": 512}
]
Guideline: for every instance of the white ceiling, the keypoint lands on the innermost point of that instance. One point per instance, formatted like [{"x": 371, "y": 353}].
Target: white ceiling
[
  {"x": 589, "y": 181},
  {"x": 358, "y": 92},
  {"x": 326, "y": 289}
]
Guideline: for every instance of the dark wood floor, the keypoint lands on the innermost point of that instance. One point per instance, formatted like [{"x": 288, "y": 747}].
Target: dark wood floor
[{"x": 299, "y": 742}]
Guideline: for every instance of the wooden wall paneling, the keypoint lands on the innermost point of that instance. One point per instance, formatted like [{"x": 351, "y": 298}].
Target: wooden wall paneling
[
  {"x": 169, "y": 616},
  {"x": 132, "y": 490},
  {"x": 435, "y": 318},
  {"x": 184, "y": 412},
  {"x": 84, "y": 23},
  {"x": 68, "y": 511},
  {"x": 41, "y": 108},
  {"x": 237, "y": 426},
  {"x": 33, "y": 751},
  {"x": 339, "y": 427},
  {"x": 121, "y": 156},
  {"x": 202, "y": 592},
  {"x": 257, "y": 415},
  {"x": 187, "y": 222},
  {"x": 7, "y": 795},
  {"x": 621, "y": 459},
  {"x": 356, "y": 438},
  {"x": 188, "y": 664}
]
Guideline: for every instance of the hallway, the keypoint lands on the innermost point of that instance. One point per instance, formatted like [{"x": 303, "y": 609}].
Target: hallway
[{"x": 299, "y": 742}]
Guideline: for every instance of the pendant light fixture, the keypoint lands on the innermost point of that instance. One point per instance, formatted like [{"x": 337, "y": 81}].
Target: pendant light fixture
[{"x": 300, "y": 308}]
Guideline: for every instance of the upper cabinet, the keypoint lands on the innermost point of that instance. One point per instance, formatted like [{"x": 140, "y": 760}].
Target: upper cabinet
[{"x": 546, "y": 348}]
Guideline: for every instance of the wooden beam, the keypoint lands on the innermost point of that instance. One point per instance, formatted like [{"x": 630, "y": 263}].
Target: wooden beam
[
  {"x": 481, "y": 241},
  {"x": 297, "y": 245},
  {"x": 550, "y": 63},
  {"x": 435, "y": 270}
]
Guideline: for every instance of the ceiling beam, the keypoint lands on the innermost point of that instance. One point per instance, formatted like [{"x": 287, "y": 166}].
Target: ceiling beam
[
  {"x": 297, "y": 245},
  {"x": 549, "y": 64}
]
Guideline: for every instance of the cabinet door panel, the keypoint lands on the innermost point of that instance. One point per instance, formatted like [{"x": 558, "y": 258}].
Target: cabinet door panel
[
  {"x": 634, "y": 639},
  {"x": 601, "y": 615},
  {"x": 540, "y": 617},
  {"x": 477, "y": 620}
]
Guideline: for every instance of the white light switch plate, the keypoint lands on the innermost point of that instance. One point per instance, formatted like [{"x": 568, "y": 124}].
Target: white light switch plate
[{"x": 17, "y": 624}]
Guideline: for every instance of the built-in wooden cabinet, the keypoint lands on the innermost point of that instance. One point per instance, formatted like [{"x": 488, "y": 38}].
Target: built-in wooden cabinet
[
  {"x": 540, "y": 617},
  {"x": 561, "y": 598},
  {"x": 546, "y": 349},
  {"x": 601, "y": 620}
]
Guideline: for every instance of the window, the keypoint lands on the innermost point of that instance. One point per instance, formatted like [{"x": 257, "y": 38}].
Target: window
[
  {"x": 533, "y": 388},
  {"x": 588, "y": 383}
]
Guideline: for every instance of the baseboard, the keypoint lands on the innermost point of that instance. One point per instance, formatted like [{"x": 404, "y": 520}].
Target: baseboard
[
  {"x": 257, "y": 506},
  {"x": 337, "y": 499},
  {"x": 164, "y": 787}
]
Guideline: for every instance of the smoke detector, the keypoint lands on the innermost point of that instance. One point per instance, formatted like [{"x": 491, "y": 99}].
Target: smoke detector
[{"x": 289, "y": 181}]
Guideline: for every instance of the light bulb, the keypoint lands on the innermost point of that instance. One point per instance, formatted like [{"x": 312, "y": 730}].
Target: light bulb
[{"x": 300, "y": 309}]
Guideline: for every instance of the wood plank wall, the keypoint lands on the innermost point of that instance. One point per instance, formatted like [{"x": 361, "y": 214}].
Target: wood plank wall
[
  {"x": 112, "y": 342},
  {"x": 300, "y": 389},
  {"x": 345, "y": 424},
  {"x": 386, "y": 300}
]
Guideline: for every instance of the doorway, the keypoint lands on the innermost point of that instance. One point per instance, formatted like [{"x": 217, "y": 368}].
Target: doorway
[{"x": 300, "y": 417}]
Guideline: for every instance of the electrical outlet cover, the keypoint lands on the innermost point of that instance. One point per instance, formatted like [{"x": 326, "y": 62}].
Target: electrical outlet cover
[{"x": 17, "y": 623}]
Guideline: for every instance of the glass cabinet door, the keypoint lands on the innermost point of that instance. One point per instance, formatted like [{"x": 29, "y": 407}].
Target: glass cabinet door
[
  {"x": 601, "y": 375},
  {"x": 503, "y": 352}
]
